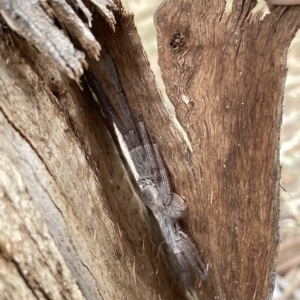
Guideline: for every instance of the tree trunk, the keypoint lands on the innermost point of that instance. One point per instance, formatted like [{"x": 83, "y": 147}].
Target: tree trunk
[
  {"x": 224, "y": 73},
  {"x": 72, "y": 223}
]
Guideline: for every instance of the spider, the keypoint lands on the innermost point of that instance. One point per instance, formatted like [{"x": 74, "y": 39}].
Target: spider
[{"x": 156, "y": 194}]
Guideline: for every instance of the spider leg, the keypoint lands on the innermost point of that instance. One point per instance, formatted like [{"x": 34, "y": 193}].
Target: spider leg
[
  {"x": 166, "y": 189},
  {"x": 185, "y": 270},
  {"x": 190, "y": 252},
  {"x": 149, "y": 152},
  {"x": 184, "y": 251},
  {"x": 121, "y": 97},
  {"x": 100, "y": 94},
  {"x": 130, "y": 136},
  {"x": 174, "y": 206},
  {"x": 139, "y": 151}
]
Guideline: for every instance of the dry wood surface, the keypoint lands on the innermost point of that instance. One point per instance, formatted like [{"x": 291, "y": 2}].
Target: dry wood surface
[
  {"x": 224, "y": 74},
  {"x": 72, "y": 225}
]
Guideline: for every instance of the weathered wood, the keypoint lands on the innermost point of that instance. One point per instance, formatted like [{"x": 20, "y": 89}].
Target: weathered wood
[
  {"x": 72, "y": 225},
  {"x": 224, "y": 73}
]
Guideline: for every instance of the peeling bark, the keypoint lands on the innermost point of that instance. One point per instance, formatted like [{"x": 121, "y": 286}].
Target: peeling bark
[{"x": 34, "y": 20}]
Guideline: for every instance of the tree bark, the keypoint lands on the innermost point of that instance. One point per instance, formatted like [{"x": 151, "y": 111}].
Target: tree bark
[
  {"x": 224, "y": 74},
  {"x": 72, "y": 223}
]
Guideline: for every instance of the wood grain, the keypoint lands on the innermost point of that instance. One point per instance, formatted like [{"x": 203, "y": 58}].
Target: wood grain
[{"x": 224, "y": 73}]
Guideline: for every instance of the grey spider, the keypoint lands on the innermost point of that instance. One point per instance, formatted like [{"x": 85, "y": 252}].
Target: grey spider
[{"x": 156, "y": 194}]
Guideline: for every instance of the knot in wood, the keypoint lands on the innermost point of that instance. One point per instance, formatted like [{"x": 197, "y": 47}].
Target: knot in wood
[{"x": 177, "y": 42}]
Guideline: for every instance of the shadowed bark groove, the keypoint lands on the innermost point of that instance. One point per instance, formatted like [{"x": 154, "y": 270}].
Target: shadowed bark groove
[{"x": 224, "y": 73}]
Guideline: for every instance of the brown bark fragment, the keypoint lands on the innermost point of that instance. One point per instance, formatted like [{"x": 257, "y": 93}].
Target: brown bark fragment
[{"x": 224, "y": 74}]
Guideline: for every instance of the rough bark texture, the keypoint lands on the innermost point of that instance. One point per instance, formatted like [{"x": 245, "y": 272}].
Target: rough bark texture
[
  {"x": 71, "y": 224},
  {"x": 224, "y": 73}
]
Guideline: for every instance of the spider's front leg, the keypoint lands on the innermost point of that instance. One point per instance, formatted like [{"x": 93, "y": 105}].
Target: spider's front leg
[
  {"x": 173, "y": 205},
  {"x": 159, "y": 191}
]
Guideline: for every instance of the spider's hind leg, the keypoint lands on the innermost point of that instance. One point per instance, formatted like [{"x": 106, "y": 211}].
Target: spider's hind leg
[{"x": 190, "y": 253}]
